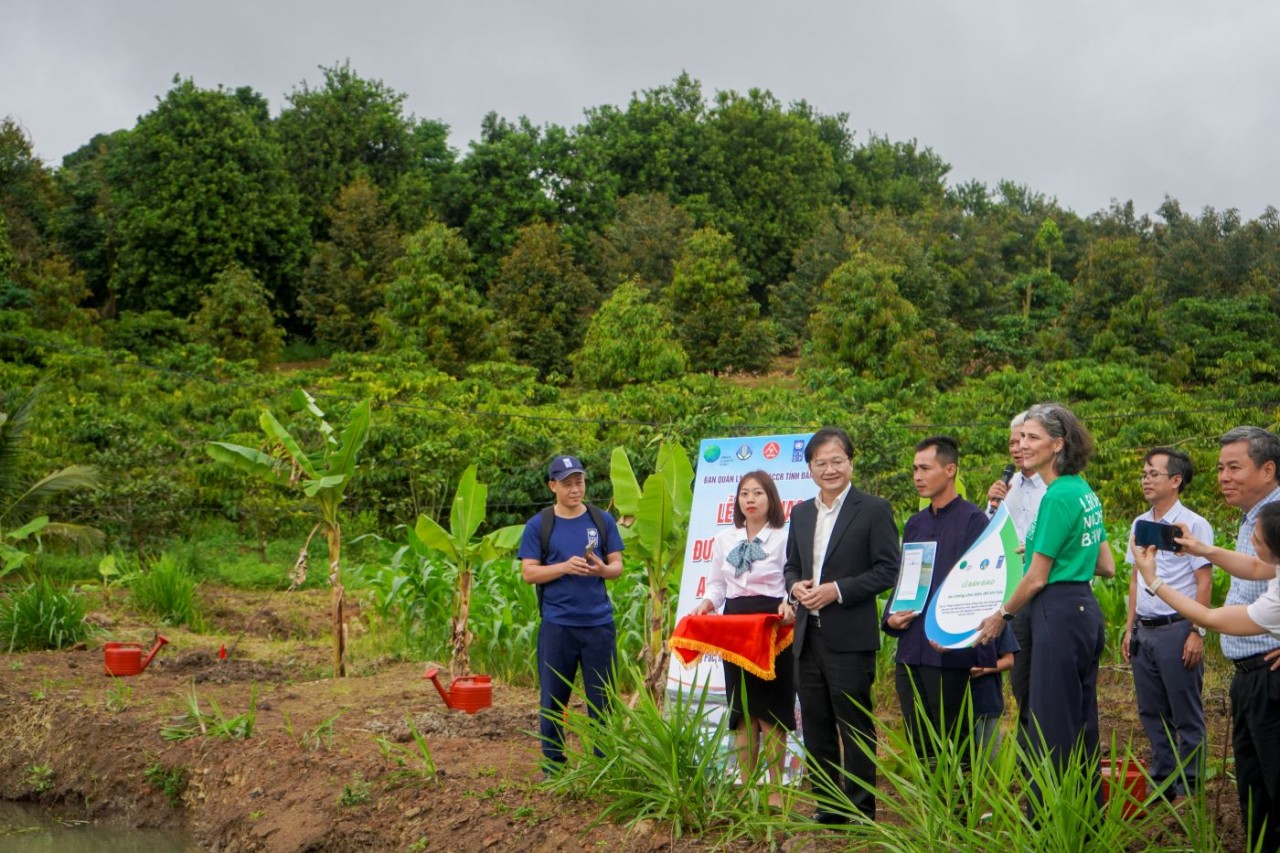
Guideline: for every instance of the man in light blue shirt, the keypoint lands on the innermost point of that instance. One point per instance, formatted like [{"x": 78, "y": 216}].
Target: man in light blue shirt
[{"x": 1248, "y": 461}]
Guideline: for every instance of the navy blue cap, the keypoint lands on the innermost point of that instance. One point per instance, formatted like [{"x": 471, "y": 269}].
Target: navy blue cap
[{"x": 563, "y": 466}]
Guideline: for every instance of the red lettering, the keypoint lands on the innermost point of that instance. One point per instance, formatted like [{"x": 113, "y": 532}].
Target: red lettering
[
  {"x": 786, "y": 508},
  {"x": 702, "y": 587},
  {"x": 724, "y": 512},
  {"x": 702, "y": 550}
]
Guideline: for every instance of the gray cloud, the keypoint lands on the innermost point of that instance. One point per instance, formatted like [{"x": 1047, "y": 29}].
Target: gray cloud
[{"x": 1085, "y": 102}]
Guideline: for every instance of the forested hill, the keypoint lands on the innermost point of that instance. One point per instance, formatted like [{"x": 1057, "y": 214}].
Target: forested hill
[{"x": 603, "y": 272}]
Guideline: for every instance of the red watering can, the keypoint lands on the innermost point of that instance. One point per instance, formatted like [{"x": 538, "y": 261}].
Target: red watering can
[
  {"x": 126, "y": 658},
  {"x": 467, "y": 693}
]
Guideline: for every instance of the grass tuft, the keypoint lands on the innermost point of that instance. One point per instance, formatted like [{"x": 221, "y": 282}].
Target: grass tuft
[{"x": 41, "y": 616}]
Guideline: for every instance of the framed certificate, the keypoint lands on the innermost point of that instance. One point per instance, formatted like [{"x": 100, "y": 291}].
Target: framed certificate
[{"x": 914, "y": 576}]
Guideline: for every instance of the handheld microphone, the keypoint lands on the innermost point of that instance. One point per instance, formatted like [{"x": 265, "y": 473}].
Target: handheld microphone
[{"x": 1005, "y": 477}]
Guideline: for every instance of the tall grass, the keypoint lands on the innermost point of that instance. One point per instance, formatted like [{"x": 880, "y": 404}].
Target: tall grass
[
  {"x": 168, "y": 592},
  {"x": 41, "y": 616},
  {"x": 642, "y": 762}
]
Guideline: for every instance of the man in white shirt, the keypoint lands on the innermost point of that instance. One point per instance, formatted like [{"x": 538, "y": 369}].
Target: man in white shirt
[
  {"x": 1021, "y": 497},
  {"x": 1166, "y": 650}
]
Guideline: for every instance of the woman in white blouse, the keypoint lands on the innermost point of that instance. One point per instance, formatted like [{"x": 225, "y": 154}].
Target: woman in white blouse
[
  {"x": 1241, "y": 620},
  {"x": 746, "y": 577}
]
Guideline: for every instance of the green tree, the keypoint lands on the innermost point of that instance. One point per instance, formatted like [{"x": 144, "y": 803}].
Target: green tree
[
  {"x": 900, "y": 176},
  {"x": 774, "y": 177},
  {"x": 866, "y": 325},
  {"x": 20, "y": 501},
  {"x": 792, "y": 301},
  {"x": 658, "y": 144},
  {"x": 200, "y": 184},
  {"x": 351, "y": 128},
  {"x": 344, "y": 284},
  {"x": 498, "y": 189},
  {"x": 235, "y": 318},
  {"x": 643, "y": 242},
  {"x": 719, "y": 323},
  {"x": 86, "y": 224},
  {"x": 431, "y": 308},
  {"x": 629, "y": 340},
  {"x": 324, "y": 475},
  {"x": 543, "y": 300}
]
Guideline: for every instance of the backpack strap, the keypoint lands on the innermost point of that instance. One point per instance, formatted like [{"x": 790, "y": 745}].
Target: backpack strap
[{"x": 548, "y": 520}]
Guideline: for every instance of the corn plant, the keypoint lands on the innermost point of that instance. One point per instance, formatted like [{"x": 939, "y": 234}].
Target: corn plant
[
  {"x": 118, "y": 696},
  {"x": 195, "y": 722},
  {"x": 414, "y": 767}
]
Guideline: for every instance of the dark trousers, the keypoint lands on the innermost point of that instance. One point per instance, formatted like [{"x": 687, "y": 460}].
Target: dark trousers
[
  {"x": 1169, "y": 704},
  {"x": 933, "y": 707},
  {"x": 561, "y": 650},
  {"x": 1067, "y": 639},
  {"x": 835, "y": 713},
  {"x": 1020, "y": 675},
  {"x": 1255, "y": 739}
]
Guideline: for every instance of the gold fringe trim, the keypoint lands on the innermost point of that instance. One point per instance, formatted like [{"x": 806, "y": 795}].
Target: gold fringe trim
[{"x": 702, "y": 647}]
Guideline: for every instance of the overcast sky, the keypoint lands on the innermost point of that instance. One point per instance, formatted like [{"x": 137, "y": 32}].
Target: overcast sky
[{"x": 1082, "y": 101}]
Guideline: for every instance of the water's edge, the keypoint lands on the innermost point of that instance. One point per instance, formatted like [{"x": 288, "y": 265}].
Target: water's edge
[{"x": 28, "y": 827}]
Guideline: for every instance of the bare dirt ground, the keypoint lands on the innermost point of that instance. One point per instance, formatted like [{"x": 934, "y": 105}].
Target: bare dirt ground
[{"x": 313, "y": 775}]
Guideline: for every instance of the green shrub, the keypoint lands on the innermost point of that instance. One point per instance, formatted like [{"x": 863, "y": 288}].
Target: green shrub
[
  {"x": 40, "y": 616},
  {"x": 168, "y": 591}
]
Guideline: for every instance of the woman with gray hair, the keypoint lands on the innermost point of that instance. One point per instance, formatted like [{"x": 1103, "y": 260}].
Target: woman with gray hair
[{"x": 1066, "y": 547}]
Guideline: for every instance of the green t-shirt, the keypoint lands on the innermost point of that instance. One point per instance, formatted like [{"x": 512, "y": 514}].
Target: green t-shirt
[{"x": 1068, "y": 529}]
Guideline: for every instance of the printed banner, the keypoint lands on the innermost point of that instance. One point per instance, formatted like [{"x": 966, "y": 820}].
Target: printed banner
[
  {"x": 978, "y": 584},
  {"x": 721, "y": 463}
]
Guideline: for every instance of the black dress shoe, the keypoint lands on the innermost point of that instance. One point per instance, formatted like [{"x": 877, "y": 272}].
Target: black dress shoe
[{"x": 828, "y": 818}]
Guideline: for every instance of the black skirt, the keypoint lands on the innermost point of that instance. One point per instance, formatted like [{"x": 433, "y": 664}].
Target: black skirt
[{"x": 771, "y": 701}]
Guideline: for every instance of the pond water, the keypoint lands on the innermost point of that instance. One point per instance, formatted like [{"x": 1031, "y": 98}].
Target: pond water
[{"x": 25, "y": 827}]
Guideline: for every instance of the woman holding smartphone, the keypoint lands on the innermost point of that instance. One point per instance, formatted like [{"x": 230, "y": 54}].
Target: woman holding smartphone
[
  {"x": 1241, "y": 620},
  {"x": 1066, "y": 547},
  {"x": 746, "y": 577}
]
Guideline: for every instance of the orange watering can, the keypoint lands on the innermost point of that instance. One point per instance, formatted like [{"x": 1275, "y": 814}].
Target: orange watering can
[
  {"x": 126, "y": 658},
  {"x": 467, "y": 693}
]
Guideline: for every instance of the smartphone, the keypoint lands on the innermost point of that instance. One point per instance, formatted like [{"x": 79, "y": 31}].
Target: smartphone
[{"x": 1154, "y": 533}]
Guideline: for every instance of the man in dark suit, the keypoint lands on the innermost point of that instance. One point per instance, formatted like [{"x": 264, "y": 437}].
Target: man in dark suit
[{"x": 842, "y": 551}]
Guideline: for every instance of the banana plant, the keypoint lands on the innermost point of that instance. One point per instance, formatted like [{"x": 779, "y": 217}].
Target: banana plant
[
  {"x": 324, "y": 476},
  {"x": 459, "y": 547},
  {"x": 654, "y": 527}
]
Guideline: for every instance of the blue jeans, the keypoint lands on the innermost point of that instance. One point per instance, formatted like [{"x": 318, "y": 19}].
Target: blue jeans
[{"x": 562, "y": 649}]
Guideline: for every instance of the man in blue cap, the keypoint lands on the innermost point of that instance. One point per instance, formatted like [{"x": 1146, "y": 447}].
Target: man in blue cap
[{"x": 569, "y": 550}]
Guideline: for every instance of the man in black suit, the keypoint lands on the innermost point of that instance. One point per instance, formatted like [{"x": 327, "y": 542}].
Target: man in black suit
[{"x": 842, "y": 551}]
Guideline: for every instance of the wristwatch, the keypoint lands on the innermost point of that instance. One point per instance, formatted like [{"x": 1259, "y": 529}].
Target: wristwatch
[
  {"x": 1005, "y": 614},
  {"x": 1200, "y": 629}
]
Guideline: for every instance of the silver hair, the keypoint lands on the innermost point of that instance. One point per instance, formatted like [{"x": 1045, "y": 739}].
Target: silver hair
[
  {"x": 1264, "y": 445},
  {"x": 1018, "y": 420}
]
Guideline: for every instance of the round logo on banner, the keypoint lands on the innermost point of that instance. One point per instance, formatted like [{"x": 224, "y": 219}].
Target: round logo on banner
[
  {"x": 712, "y": 453},
  {"x": 771, "y": 450}
]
